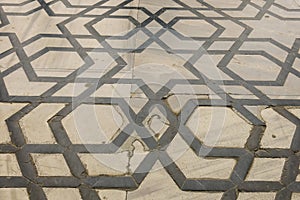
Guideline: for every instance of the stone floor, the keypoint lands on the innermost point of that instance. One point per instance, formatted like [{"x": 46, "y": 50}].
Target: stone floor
[{"x": 149, "y": 99}]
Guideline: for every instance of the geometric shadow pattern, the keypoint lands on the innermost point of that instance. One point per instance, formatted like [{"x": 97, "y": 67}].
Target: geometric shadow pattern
[{"x": 57, "y": 56}]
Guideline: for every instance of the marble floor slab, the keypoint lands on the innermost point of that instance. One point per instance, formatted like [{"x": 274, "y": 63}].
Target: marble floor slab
[{"x": 149, "y": 99}]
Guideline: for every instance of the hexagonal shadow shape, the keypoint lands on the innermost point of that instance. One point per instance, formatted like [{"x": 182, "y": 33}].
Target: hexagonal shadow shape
[
  {"x": 254, "y": 67},
  {"x": 113, "y": 26},
  {"x": 194, "y": 28},
  {"x": 57, "y": 63}
]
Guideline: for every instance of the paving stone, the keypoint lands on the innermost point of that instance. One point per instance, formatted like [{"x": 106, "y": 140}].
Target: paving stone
[
  {"x": 24, "y": 86},
  {"x": 149, "y": 189},
  {"x": 156, "y": 5},
  {"x": 79, "y": 2},
  {"x": 139, "y": 99},
  {"x": 175, "y": 43},
  {"x": 217, "y": 126},
  {"x": 248, "y": 11},
  {"x": 196, "y": 31},
  {"x": 295, "y": 196},
  {"x": 105, "y": 164},
  {"x": 232, "y": 29},
  {"x": 6, "y": 110},
  {"x": 281, "y": 12},
  {"x": 138, "y": 153},
  {"x": 229, "y": 4},
  {"x": 178, "y": 101},
  {"x": 156, "y": 121},
  {"x": 72, "y": 89},
  {"x": 60, "y": 8},
  {"x": 238, "y": 92},
  {"x": 268, "y": 169},
  {"x": 20, "y": 9},
  {"x": 168, "y": 15},
  {"x": 37, "y": 25},
  {"x": 136, "y": 103},
  {"x": 114, "y": 90},
  {"x": 259, "y": 195},
  {"x": 89, "y": 42},
  {"x": 8, "y": 61},
  {"x": 9, "y": 165},
  {"x": 212, "y": 71},
  {"x": 104, "y": 122},
  {"x": 193, "y": 3},
  {"x": 14, "y": 193},
  {"x": 279, "y": 132},
  {"x": 112, "y": 3},
  {"x": 267, "y": 47},
  {"x": 51, "y": 165},
  {"x": 135, "y": 41},
  {"x": 56, "y": 193},
  {"x": 5, "y": 44},
  {"x": 295, "y": 111},
  {"x": 265, "y": 25},
  {"x": 41, "y": 133},
  {"x": 221, "y": 45},
  {"x": 195, "y": 167},
  {"x": 112, "y": 194},
  {"x": 44, "y": 43},
  {"x": 251, "y": 68},
  {"x": 171, "y": 66},
  {"x": 287, "y": 91},
  {"x": 77, "y": 27},
  {"x": 113, "y": 26},
  {"x": 55, "y": 63},
  {"x": 102, "y": 64}
]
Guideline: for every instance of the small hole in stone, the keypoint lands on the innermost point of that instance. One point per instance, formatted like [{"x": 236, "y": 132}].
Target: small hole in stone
[
  {"x": 88, "y": 85},
  {"x": 273, "y": 136}
]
